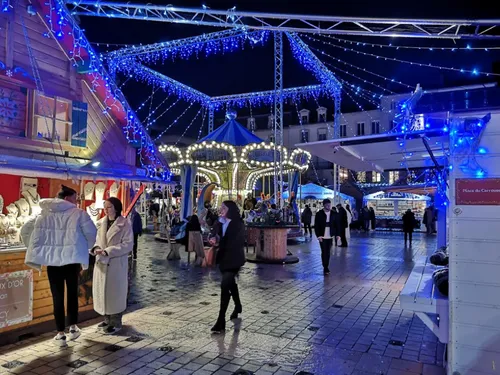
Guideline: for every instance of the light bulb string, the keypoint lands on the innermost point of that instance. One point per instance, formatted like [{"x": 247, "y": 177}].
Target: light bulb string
[
  {"x": 428, "y": 48},
  {"x": 201, "y": 125},
  {"x": 174, "y": 122},
  {"x": 323, "y": 53},
  {"x": 191, "y": 123},
  {"x": 152, "y": 121},
  {"x": 414, "y": 63}
]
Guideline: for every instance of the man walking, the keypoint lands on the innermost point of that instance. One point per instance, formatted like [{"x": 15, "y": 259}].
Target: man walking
[
  {"x": 60, "y": 238},
  {"x": 325, "y": 227},
  {"x": 343, "y": 224}
]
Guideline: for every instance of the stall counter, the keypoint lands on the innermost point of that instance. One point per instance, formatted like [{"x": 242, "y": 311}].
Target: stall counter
[{"x": 12, "y": 264}]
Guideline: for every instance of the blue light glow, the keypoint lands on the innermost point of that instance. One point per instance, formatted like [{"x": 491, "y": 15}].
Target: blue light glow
[{"x": 481, "y": 150}]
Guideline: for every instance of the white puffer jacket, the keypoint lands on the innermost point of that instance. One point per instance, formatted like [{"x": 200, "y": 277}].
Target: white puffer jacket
[{"x": 62, "y": 234}]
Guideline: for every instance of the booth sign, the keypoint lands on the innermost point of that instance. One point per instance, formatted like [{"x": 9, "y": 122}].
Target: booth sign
[
  {"x": 16, "y": 298},
  {"x": 477, "y": 192}
]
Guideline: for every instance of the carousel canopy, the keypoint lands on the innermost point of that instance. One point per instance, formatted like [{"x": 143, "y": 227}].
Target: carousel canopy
[{"x": 232, "y": 133}]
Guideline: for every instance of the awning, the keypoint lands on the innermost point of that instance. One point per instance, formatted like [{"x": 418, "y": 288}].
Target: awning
[{"x": 381, "y": 152}]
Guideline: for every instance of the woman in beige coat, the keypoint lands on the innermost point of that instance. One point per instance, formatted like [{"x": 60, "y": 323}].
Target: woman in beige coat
[{"x": 115, "y": 241}]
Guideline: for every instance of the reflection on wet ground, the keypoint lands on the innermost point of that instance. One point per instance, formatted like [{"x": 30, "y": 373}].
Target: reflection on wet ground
[{"x": 294, "y": 321}]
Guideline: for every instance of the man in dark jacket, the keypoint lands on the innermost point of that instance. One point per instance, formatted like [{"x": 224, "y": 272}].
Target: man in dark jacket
[
  {"x": 326, "y": 229},
  {"x": 343, "y": 224},
  {"x": 408, "y": 225}
]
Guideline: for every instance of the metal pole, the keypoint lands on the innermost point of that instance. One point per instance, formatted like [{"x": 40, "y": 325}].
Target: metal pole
[
  {"x": 278, "y": 117},
  {"x": 211, "y": 114}
]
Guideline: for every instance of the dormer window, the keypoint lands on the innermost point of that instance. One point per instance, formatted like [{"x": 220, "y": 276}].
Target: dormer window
[
  {"x": 304, "y": 116},
  {"x": 321, "y": 114}
]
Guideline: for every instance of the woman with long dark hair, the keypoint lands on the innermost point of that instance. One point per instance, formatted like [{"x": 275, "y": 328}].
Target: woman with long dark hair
[
  {"x": 115, "y": 241},
  {"x": 230, "y": 258}
]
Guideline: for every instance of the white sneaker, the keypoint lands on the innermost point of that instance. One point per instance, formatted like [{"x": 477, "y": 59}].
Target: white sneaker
[
  {"x": 60, "y": 340},
  {"x": 74, "y": 333},
  {"x": 112, "y": 330}
]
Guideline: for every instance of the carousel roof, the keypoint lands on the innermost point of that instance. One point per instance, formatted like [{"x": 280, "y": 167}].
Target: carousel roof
[{"x": 233, "y": 133}]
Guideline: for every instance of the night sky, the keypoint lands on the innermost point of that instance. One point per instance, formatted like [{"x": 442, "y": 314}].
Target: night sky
[{"x": 252, "y": 69}]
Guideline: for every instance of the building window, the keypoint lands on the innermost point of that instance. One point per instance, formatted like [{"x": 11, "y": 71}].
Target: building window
[
  {"x": 393, "y": 177},
  {"x": 361, "y": 128},
  {"x": 361, "y": 177},
  {"x": 322, "y": 114},
  {"x": 375, "y": 127},
  {"x": 52, "y": 118},
  {"x": 305, "y": 119},
  {"x": 343, "y": 131},
  {"x": 271, "y": 138},
  {"x": 304, "y": 136},
  {"x": 322, "y": 134},
  {"x": 376, "y": 177},
  {"x": 343, "y": 175}
]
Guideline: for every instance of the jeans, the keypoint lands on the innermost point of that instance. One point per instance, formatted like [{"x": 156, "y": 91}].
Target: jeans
[
  {"x": 326, "y": 247},
  {"x": 58, "y": 276},
  {"x": 229, "y": 289}
]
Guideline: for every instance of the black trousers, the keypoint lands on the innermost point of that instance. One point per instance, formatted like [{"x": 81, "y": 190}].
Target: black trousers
[
  {"x": 408, "y": 234},
  {"x": 58, "y": 275},
  {"x": 343, "y": 238},
  {"x": 308, "y": 226},
  {"x": 229, "y": 289},
  {"x": 326, "y": 247},
  {"x": 136, "y": 238}
]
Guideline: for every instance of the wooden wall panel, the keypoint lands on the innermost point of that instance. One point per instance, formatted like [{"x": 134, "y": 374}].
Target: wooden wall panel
[{"x": 13, "y": 113}]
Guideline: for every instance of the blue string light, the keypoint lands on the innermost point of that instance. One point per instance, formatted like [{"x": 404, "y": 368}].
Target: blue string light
[
  {"x": 206, "y": 44},
  {"x": 468, "y": 47},
  {"x": 414, "y": 63},
  {"x": 82, "y": 54}
]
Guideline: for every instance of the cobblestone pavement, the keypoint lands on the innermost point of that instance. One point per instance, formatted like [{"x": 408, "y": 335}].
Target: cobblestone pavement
[{"x": 294, "y": 321}]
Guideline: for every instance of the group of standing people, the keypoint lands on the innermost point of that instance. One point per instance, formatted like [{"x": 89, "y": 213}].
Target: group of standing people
[{"x": 65, "y": 239}]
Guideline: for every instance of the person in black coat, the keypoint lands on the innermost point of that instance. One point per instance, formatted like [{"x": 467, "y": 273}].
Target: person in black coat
[
  {"x": 326, "y": 229},
  {"x": 306, "y": 220},
  {"x": 408, "y": 225},
  {"x": 137, "y": 229},
  {"x": 230, "y": 258},
  {"x": 343, "y": 224}
]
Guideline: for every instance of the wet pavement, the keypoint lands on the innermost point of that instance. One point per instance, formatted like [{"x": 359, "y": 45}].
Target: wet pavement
[{"x": 294, "y": 321}]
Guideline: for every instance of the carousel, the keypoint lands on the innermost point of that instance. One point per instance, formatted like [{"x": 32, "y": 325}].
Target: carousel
[{"x": 227, "y": 164}]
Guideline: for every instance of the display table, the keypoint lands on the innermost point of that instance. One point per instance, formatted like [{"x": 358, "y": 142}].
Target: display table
[
  {"x": 271, "y": 244},
  {"x": 394, "y": 224},
  {"x": 29, "y": 309}
]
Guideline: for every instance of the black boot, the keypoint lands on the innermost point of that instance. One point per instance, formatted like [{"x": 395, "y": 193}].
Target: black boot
[
  {"x": 219, "y": 327},
  {"x": 238, "y": 309},
  {"x": 225, "y": 297}
]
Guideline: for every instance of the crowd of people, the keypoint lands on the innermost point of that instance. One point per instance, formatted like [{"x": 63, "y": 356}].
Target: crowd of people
[{"x": 65, "y": 239}]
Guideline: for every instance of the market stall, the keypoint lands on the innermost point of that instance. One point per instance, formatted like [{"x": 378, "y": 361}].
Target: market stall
[
  {"x": 390, "y": 207},
  {"x": 26, "y": 300}
]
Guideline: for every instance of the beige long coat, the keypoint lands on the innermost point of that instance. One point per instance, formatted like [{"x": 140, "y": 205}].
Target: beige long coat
[{"x": 110, "y": 283}]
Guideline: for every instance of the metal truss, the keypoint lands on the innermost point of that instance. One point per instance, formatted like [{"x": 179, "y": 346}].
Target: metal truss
[
  {"x": 211, "y": 116},
  {"x": 381, "y": 27},
  {"x": 278, "y": 115}
]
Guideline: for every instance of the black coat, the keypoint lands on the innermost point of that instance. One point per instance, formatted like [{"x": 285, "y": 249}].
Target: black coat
[
  {"x": 231, "y": 253},
  {"x": 306, "y": 216},
  {"x": 320, "y": 224},
  {"x": 408, "y": 222},
  {"x": 343, "y": 218}
]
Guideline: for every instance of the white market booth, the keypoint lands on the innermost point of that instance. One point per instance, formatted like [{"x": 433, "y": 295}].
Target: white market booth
[
  {"x": 390, "y": 206},
  {"x": 469, "y": 223}
]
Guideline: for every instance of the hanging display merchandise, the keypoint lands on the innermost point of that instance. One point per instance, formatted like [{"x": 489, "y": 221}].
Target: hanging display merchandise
[
  {"x": 114, "y": 189},
  {"x": 88, "y": 191},
  {"x": 100, "y": 188}
]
